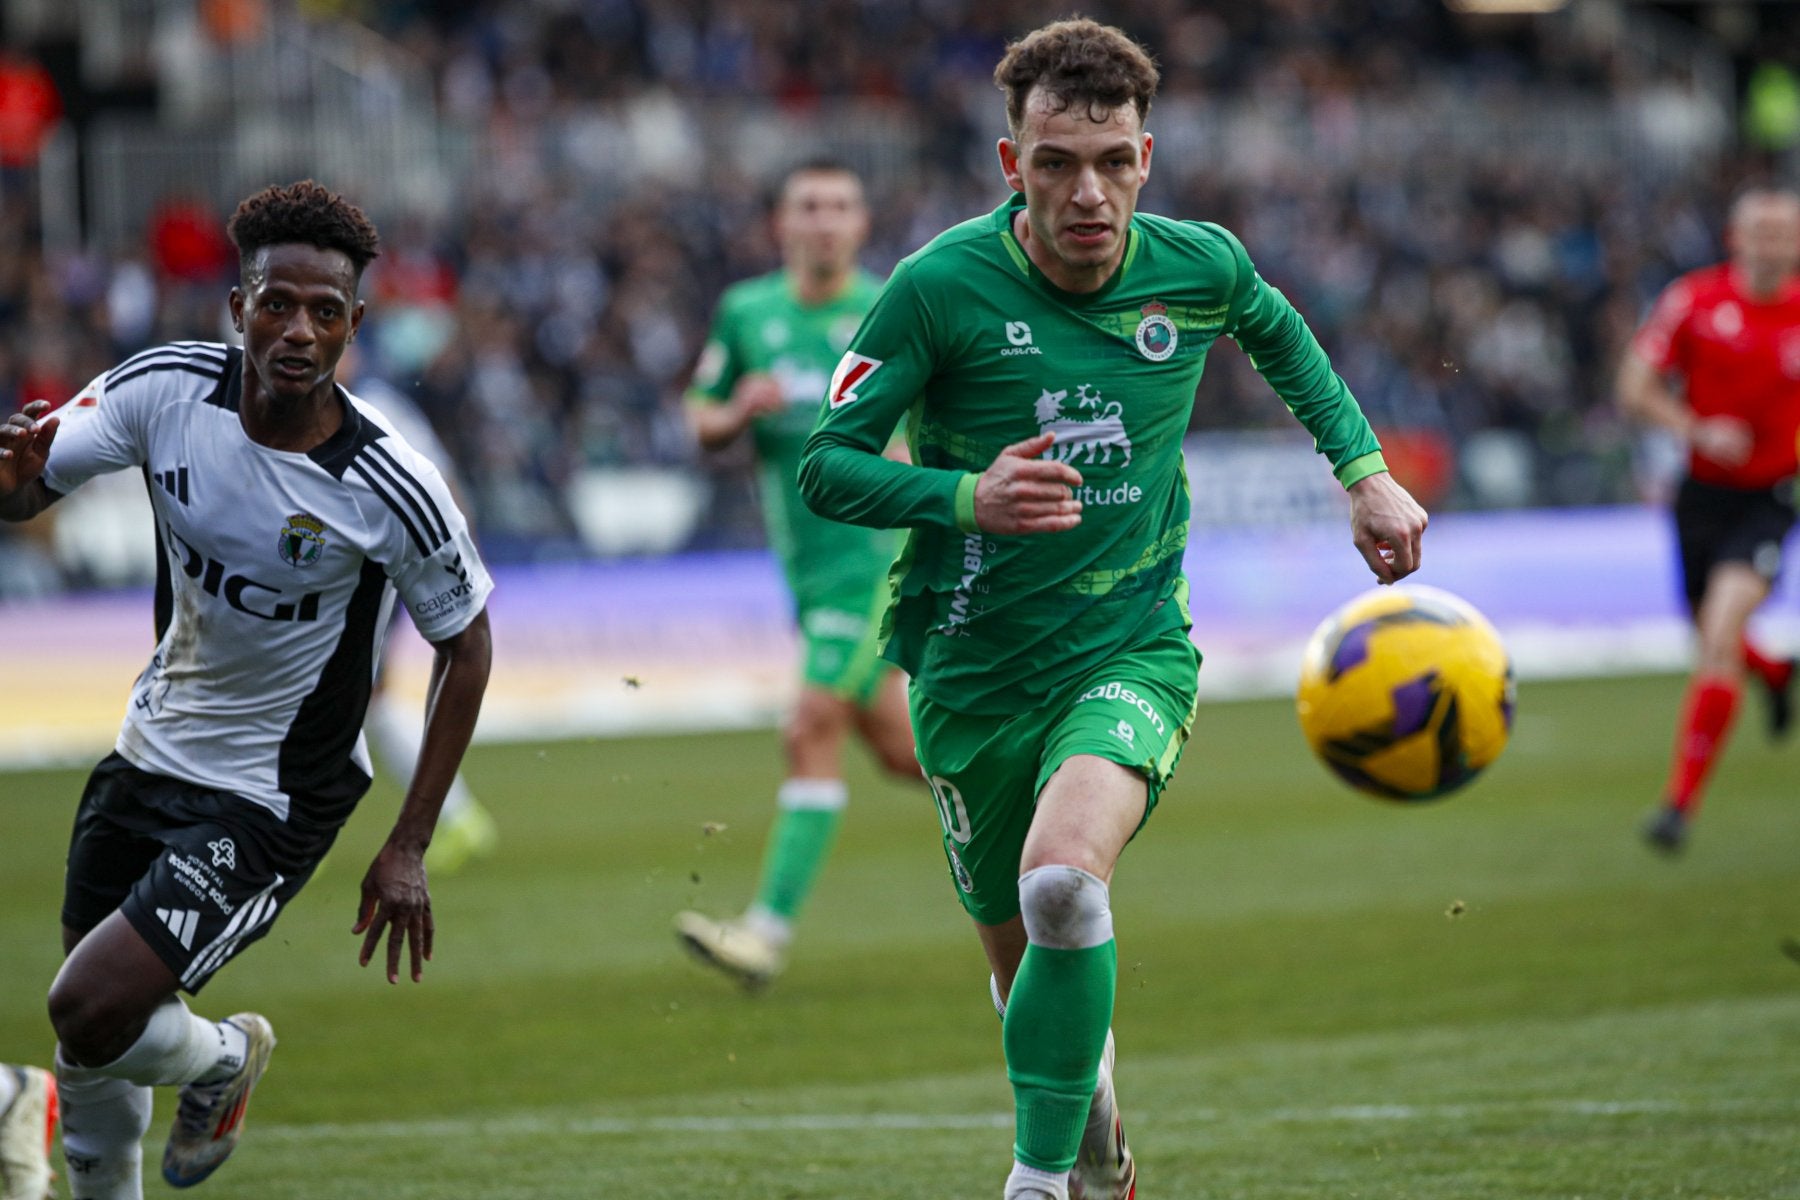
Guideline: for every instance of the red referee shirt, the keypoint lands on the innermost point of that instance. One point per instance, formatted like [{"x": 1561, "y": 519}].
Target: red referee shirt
[{"x": 1740, "y": 358}]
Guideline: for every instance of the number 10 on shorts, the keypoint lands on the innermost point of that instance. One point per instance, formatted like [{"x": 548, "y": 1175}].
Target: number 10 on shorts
[{"x": 951, "y": 810}]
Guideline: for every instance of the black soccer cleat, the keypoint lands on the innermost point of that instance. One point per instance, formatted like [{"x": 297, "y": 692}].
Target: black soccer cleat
[
  {"x": 1780, "y": 702},
  {"x": 1667, "y": 830}
]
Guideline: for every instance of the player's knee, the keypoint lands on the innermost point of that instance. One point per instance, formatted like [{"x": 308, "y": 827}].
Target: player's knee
[
  {"x": 1065, "y": 908},
  {"x": 813, "y": 727},
  {"x": 87, "y": 1023}
]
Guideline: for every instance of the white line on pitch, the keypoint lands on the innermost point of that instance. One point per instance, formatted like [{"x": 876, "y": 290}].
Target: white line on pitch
[{"x": 538, "y": 1124}]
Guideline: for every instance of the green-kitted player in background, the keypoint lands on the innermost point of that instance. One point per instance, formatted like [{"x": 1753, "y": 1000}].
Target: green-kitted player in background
[
  {"x": 764, "y": 371},
  {"x": 1045, "y": 358}
]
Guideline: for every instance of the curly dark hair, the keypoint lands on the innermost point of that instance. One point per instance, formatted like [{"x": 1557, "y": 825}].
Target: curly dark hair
[
  {"x": 1077, "y": 62},
  {"x": 306, "y": 212}
]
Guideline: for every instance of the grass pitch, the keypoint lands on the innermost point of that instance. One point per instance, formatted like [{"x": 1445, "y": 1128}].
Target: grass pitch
[{"x": 1499, "y": 996}]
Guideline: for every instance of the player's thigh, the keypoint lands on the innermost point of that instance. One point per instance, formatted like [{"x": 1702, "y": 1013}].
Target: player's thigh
[
  {"x": 1135, "y": 710},
  {"x": 1734, "y": 591},
  {"x": 113, "y": 845},
  {"x": 1088, "y": 810},
  {"x": 982, "y": 771}
]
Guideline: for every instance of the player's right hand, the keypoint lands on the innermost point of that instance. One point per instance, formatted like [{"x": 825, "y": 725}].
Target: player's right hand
[
  {"x": 25, "y": 446},
  {"x": 755, "y": 395},
  {"x": 1725, "y": 440},
  {"x": 1023, "y": 493}
]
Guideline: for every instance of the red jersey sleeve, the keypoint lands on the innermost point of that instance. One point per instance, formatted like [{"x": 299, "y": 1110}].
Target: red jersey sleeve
[{"x": 1662, "y": 339}]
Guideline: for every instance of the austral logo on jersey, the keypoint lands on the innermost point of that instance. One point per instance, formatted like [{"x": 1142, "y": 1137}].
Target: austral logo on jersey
[
  {"x": 853, "y": 370},
  {"x": 1156, "y": 336},
  {"x": 302, "y": 540},
  {"x": 1018, "y": 335}
]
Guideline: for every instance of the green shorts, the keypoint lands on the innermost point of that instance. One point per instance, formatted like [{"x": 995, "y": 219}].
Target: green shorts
[
  {"x": 838, "y": 647},
  {"x": 985, "y": 772}
]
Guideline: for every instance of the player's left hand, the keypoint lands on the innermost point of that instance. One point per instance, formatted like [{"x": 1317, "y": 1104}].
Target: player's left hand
[
  {"x": 395, "y": 899},
  {"x": 1387, "y": 525}
]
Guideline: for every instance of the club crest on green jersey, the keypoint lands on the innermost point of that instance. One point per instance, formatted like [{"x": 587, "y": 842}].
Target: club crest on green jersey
[
  {"x": 302, "y": 540},
  {"x": 1156, "y": 335}
]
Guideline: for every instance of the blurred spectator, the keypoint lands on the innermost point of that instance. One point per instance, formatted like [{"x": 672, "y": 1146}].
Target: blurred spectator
[{"x": 29, "y": 109}]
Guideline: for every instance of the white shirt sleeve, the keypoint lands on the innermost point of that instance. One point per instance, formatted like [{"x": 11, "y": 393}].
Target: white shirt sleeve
[
  {"x": 438, "y": 572},
  {"x": 99, "y": 431}
]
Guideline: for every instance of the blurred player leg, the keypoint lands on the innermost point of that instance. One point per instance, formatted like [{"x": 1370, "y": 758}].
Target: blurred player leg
[
  {"x": 28, "y": 1106},
  {"x": 1733, "y": 592},
  {"x": 465, "y": 830},
  {"x": 885, "y": 726},
  {"x": 809, "y": 807},
  {"x": 1777, "y": 678}
]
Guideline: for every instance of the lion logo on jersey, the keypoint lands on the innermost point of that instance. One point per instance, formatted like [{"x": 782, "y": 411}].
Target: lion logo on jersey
[
  {"x": 302, "y": 540},
  {"x": 1095, "y": 434}
]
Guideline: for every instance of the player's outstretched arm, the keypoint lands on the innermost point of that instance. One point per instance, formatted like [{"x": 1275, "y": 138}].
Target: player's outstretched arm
[
  {"x": 1645, "y": 396},
  {"x": 1387, "y": 525},
  {"x": 24, "y": 450},
  {"x": 395, "y": 897},
  {"x": 1023, "y": 493}
]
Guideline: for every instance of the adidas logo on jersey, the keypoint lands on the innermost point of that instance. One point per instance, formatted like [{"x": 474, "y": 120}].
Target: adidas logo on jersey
[{"x": 174, "y": 482}]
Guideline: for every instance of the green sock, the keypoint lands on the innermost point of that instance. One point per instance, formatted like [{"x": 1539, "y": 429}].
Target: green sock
[
  {"x": 805, "y": 827},
  {"x": 1054, "y": 1033}
]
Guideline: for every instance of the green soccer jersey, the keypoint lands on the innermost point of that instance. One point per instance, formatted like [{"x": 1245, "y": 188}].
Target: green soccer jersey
[
  {"x": 762, "y": 328},
  {"x": 976, "y": 349}
]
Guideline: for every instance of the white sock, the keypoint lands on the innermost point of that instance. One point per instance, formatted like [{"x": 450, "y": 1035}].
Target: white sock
[
  {"x": 9, "y": 1087},
  {"x": 771, "y": 926},
  {"x": 1029, "y": 1183},
  {"x": 104, "y": 1120},
  {"x": 179, "y": 1047}
]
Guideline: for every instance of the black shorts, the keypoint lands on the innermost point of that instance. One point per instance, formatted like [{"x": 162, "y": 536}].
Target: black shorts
[
  {"x": 200, "y": 874},
  {"x": 1716, "y": 525}
]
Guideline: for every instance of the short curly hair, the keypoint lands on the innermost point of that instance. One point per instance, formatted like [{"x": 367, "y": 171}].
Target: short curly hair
[
  {"x": 305, "y": 212},
  {"x": 1077, "y": 62}
]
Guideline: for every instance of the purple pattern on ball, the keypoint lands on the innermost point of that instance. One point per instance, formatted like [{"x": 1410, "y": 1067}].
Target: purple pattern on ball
[
  {"x": 1352, "y": 648},
  {"x": 1412, "y": 704}
]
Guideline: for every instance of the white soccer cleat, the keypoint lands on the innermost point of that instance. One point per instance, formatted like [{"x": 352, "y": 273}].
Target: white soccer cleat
[
  {"x": 732, "y": 946},
  {"x": 27, "y": 1127},
  {"x": 1104, "y": 1168},
  {"x": 211, "y": 1117}
]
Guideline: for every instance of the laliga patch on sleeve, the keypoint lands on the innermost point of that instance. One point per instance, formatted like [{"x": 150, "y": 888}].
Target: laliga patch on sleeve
[{"x": 853, "y": 370}]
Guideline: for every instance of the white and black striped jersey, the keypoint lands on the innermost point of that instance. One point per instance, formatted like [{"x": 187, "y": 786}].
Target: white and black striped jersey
[{"x": 276, "y": 572}]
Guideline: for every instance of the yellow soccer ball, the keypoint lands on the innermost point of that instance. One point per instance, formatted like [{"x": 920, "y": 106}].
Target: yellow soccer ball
[{"x": 1406, "y": 693}]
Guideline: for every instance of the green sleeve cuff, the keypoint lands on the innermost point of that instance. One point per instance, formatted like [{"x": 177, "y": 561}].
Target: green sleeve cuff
[
  {"x": 965, "y": 502},
  {"x": 1360, "y": 468}
]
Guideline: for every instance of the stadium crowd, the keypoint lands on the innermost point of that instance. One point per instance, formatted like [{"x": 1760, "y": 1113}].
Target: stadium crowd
[{"x": 546, "y": 316}]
